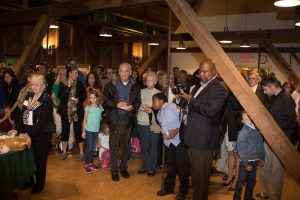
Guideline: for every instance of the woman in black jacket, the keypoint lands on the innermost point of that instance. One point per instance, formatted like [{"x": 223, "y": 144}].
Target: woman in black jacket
[
  {"x": 71, "y": 94},
  {"x": 36, "y": 116}
]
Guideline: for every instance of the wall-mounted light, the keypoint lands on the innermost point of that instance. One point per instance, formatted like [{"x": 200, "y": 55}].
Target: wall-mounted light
[{"x": 287, "y": 3}]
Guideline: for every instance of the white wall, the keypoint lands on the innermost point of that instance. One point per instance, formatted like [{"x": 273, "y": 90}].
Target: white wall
[{"x": 190, "y": 62}]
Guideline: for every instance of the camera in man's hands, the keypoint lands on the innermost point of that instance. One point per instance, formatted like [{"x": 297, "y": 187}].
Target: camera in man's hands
[{"x": 177, "y": 88}]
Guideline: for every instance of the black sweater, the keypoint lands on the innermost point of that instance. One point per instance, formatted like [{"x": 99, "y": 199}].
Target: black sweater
[{"x": 42, "y": 116}]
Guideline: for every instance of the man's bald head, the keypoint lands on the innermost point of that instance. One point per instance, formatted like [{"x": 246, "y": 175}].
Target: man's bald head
[{"x": 207, "y": 70}]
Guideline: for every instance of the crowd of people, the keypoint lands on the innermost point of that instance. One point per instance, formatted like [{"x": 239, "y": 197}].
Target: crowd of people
[{"x": 101, "y": 110}]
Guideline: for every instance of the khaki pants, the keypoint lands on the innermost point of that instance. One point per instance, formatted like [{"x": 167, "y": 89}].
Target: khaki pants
[{"x": 271, "y": 175}]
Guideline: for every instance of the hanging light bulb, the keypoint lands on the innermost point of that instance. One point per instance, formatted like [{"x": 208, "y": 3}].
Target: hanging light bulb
[
  {"x": 297, "y": 18},
  {"x": 54, "y": 24},
  {"x": 105, "y": 31},
  {"x": 245, "y": 44},
  {"x": 225, "y": 40},
  {"x": 287, "y": 3},
  {"x": 181, "y": 45},
  {"x": 153, "y": 42}
]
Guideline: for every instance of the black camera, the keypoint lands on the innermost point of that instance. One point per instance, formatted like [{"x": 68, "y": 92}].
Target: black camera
[{"x": 177, "y": 88}]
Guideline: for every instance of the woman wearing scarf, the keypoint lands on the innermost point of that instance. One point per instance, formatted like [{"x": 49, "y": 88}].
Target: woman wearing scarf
[
  {"x": 37, "y": 114},
  {"x": 71, "y": 94}
]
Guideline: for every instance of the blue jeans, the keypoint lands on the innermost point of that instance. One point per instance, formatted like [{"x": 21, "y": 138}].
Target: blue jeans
[
  {"x": 91, "y": 139},
  {"x": 148, "y": 141},
  {"x": 248, "y": 178}
]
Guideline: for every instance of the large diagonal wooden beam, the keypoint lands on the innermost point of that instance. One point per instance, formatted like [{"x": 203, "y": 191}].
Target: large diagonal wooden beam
[
  {"x": 273, "y": 134},
  {"x": 153, "y": 56},
  {"x": 33, "y": 44},
  {"x": 69, "y": 8},
  {"x": 280, "y": 62}
]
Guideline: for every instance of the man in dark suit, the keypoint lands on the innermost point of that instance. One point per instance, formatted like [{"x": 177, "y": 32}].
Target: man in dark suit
[{"x": 202, "y": 133}]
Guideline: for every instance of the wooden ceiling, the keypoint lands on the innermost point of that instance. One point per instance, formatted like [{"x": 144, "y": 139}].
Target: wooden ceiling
[{"x": 127, "y": 17}]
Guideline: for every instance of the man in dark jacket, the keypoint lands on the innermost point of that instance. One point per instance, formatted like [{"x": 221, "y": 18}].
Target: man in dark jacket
[
  {"x": 202, "y": 133},
  {"x": 282, "y": 108},
  {"x": 121, "y": 99}
]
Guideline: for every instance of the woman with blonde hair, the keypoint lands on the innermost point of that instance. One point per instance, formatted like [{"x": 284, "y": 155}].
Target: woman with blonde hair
[{"x": 37, "y": 115}]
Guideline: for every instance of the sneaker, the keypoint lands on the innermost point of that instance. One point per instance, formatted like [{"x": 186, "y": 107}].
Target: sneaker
[
  {"x": 87, "y": 170},
  {"x": 63, "y": 156},
  {"x": 94, "y": 167}
]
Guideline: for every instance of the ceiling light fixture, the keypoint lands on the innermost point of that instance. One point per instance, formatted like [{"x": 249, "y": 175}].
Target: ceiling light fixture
[
  {"x": 287, "y": 3},
  {"x": 105, "y": 31},
  {"x": 181, "y": 45},
  {"x": 54, "y": 24},
  {"x": 297, "y": 16},
  {"x": 153, "y": 41},
  {"x": 226, "y": 40},
  {"x": 245, "y": 43}
]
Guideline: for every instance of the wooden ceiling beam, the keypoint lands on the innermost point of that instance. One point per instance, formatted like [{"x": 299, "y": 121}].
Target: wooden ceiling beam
[
  {"x": 263, "y": 120},
  {"x": 69, "y": 8},
  {"x": 33, "y": 44}
]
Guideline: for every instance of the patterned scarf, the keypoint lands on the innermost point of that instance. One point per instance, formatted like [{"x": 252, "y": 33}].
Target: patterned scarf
[
  {"x": 32, "y": 105},
  {"x": 72, "y": 108}
]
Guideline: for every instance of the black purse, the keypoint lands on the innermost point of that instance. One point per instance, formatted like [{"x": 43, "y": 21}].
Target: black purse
[{"x": 51, "y": 127}]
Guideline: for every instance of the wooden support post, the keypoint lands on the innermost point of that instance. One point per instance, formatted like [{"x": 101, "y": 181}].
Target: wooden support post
[
  {"x": 33, "y": 45},
  {"x": 153, "y": 56},
  {"x": 72, "y": 40},
  {"x": 274, "y": 136},
  {"x": 280, "y": 62}
]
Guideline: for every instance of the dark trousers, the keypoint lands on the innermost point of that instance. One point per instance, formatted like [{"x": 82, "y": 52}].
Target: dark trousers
[
  {"x": 40, "y": 150},
  {"x": 200, "y": 161},
  {"x": 177, "y": 161},
  {"x": 148, "y": 141},
  {"x": 248, "y": 178},
  {"x": 120, "y": 136},
  {"x": 91, "y": 140},
  {"x": 65, "y": 129}
]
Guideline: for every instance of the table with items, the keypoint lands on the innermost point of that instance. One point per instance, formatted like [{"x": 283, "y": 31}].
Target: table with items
[{"x": 16, "y": 162}]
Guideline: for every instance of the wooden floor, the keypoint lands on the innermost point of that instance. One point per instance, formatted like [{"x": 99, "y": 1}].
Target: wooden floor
[{"x": 66, "y": 180}]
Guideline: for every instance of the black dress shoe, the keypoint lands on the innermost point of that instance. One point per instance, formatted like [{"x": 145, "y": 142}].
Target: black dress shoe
[
  {"x": 115, "y": 176},
  {"x": 37, "y": 189},
  {"x": 141, "y": 171},
  {"x": 163, "y": 192},
  {"x": 125, "y": 174},
  {"x": 180, "y": 196},
  {"x": 151, "y": 173}
]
